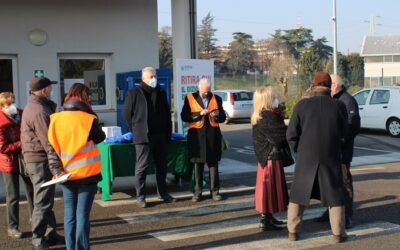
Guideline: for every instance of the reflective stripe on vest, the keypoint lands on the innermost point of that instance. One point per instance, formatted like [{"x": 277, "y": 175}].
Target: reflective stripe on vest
[
  {"x": 195, "y": 107},
  {"x": 68, "y": 133}
]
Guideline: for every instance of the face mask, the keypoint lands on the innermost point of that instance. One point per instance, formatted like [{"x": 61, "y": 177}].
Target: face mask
[
  {"x": 153, "y": 82},
  {"x": 275, "y": 103},
  {"x": 12, "y": 109}
]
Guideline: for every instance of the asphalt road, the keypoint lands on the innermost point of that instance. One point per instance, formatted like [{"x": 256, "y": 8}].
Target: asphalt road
[
  {"x": 232, "y": 223},
  {"x": 367, "y": 143}
]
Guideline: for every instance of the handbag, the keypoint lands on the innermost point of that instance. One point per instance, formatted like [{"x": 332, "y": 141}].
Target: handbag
[{"x": 286, "y": 154}]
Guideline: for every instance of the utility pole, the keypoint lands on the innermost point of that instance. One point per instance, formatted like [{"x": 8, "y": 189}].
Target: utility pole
[
  {"x": 334, "y": 19},
  {"x": 372, "y": 24}
]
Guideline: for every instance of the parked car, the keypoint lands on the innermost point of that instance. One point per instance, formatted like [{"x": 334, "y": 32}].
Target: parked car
[
  {"x": 237, "y": 103},
  {"x": 380, "y": 108}
]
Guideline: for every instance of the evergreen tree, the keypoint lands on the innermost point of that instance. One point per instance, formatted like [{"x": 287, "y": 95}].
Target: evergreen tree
[
  {"x": 165, "y": 47},
  {"x": 356, "y": 68},
  {"x": 206, "y": 35},
  {"x": 241, "y": 54},
  {"x": 309, "y": 64}
]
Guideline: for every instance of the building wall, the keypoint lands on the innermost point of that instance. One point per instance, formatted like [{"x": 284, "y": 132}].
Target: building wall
[
  {"x": 125, "y": 30},
  {"x": 375, "y": 71}
]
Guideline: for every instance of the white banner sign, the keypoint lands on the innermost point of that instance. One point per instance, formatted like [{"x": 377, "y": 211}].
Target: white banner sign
[{"x": 188, "y": 74}]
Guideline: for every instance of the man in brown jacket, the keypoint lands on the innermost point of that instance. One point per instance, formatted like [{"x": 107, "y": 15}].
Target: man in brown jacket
[{"x": 42, "y": 162}]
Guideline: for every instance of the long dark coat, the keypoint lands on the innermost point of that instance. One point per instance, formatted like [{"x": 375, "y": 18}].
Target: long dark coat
[
  {"x": 204, "y": 144},
  {"x": 316, "y": 131}
]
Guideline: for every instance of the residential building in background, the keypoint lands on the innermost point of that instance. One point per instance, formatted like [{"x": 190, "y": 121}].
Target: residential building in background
[{"x": 382, "y": 60}]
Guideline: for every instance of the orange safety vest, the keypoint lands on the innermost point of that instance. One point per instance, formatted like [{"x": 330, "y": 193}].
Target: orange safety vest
[
  {"x": 195, "y": 107},
  {"x": 68, "y": 133}
]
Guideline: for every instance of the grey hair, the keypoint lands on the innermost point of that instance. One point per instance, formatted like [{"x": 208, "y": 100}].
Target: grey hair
[
  {"x": 146, "y": 69},
  {"x": 337, "y": 79},
  {"x": 204, "y": 81}
]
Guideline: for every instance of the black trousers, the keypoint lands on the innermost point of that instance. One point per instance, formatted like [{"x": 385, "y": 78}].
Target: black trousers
[
  {"x": 11, "y": 183},
  {"x": 349, "y": 192},
  {"x": 213, "y": 178},
  {"x": 157, "y": 147},
  {"x": 43, "y": 219}
]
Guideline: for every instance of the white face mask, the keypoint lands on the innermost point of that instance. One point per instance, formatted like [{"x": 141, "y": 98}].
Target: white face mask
[
  {"x": 153, "y": 82},
  {"x": 275, "y": 103},
  {"x": 12, "y": 109}
]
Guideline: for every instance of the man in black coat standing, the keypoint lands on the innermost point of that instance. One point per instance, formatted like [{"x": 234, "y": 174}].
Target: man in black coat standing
[
  {"x": 338, "y": 91},
  {"x": 148, "y": 116},
  {"x": 316, "y": 132},
  {"x": 203, "y": 112}
]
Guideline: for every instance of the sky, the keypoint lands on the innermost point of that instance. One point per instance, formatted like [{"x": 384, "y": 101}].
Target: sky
[{"x": 260, "y": 18}]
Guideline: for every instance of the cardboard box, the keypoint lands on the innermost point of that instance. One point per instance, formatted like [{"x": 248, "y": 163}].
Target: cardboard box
[{"x": 112, "y": 131}]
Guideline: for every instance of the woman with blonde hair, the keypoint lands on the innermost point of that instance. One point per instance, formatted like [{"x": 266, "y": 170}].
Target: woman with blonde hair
[
  {"x": 10, "y": 153},
  {"x": 269, "y": 138}
]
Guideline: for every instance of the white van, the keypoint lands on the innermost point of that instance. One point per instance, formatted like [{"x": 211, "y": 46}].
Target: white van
[{"x": 236, "y": 103}]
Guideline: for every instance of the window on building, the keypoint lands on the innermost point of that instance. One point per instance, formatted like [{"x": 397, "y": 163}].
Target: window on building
[
  {"x": 396, "y": 58},
  {"x": 374, "y": 81},
  {"x": 387, "y": 81},
  {"x": 93, "y": 71},
  {"x": 373, "y": 59},
  {"x": 367, "y": 82},
  {"x": 388, "y": 59}
]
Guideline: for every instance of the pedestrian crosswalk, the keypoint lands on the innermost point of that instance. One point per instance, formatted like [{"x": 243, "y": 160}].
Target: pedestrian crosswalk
[
  {"x": 248, "y": 222},
  {"x": 316, "y": 239}
]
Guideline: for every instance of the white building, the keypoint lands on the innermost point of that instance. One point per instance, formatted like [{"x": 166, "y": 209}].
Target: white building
[
  {"x": 381, "y": 60},
  {"x": 84, "y": 40}
]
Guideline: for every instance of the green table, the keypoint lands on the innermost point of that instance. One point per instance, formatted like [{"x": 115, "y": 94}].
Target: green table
[{"x": 118, "y": 160}]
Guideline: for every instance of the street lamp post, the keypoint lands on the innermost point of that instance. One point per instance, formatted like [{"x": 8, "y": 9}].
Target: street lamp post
[{"x": 334, "y": 38}]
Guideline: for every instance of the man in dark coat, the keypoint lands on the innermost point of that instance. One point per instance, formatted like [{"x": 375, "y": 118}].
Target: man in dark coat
[
  {"x": 147, "y": 113},
  {"x": 338, "y": 91},
  {"x": 203, "y": 111},
  {"x": 316, "y": 132}
]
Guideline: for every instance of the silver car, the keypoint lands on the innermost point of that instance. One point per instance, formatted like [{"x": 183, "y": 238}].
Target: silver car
[{"x": 237, "y": 103}]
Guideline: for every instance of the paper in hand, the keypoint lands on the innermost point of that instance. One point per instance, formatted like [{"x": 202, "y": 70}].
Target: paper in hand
[{"x": 60, "y": 179}]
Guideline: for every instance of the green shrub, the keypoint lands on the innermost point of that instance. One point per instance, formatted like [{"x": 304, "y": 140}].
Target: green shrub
[{"x": 289, "y": 106}]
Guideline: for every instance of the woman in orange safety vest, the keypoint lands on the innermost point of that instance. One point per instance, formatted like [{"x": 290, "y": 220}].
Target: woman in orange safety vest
[{"x": 74, "y": 133}]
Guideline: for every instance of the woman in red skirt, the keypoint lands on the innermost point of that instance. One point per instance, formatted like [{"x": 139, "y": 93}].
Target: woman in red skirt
[{"x": 269, "y": 137}]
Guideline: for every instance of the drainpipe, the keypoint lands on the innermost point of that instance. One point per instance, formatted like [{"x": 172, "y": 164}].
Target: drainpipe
[{"x": 193, "y": 29}]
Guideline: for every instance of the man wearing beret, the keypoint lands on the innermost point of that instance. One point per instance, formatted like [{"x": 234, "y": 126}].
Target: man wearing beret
[
  {"x": 41, "y": 161},
  {"x": 316, "y": 132}
]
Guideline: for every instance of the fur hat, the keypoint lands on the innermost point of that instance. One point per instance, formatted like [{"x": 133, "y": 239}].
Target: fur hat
[{"x": 322, "y": 79}]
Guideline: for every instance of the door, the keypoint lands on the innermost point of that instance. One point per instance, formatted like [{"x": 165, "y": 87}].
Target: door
[
  {"x": 377, "y": 109},
  {"x": 361, "y": 99},
  {"x": 8, "y": 75}
]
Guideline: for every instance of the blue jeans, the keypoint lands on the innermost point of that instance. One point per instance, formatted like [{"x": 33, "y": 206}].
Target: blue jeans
[{"x": 78, "y": 200}]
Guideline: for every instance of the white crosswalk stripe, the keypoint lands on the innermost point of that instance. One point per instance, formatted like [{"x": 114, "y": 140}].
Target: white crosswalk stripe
[
  {"x": 307, "y": 240},
  {"x": 317, "y": 239},
  {"x": 232, "y": 225},
  {"x": 132, "y": 218}
]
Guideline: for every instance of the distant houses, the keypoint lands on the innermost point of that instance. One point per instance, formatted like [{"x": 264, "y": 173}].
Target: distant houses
[{"x": 381, "y": 60}]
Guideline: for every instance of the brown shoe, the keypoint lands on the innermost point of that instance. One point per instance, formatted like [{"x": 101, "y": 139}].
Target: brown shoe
[
  {"x": 339, "y": 238},
  {"x": 293, "y": 236}
]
